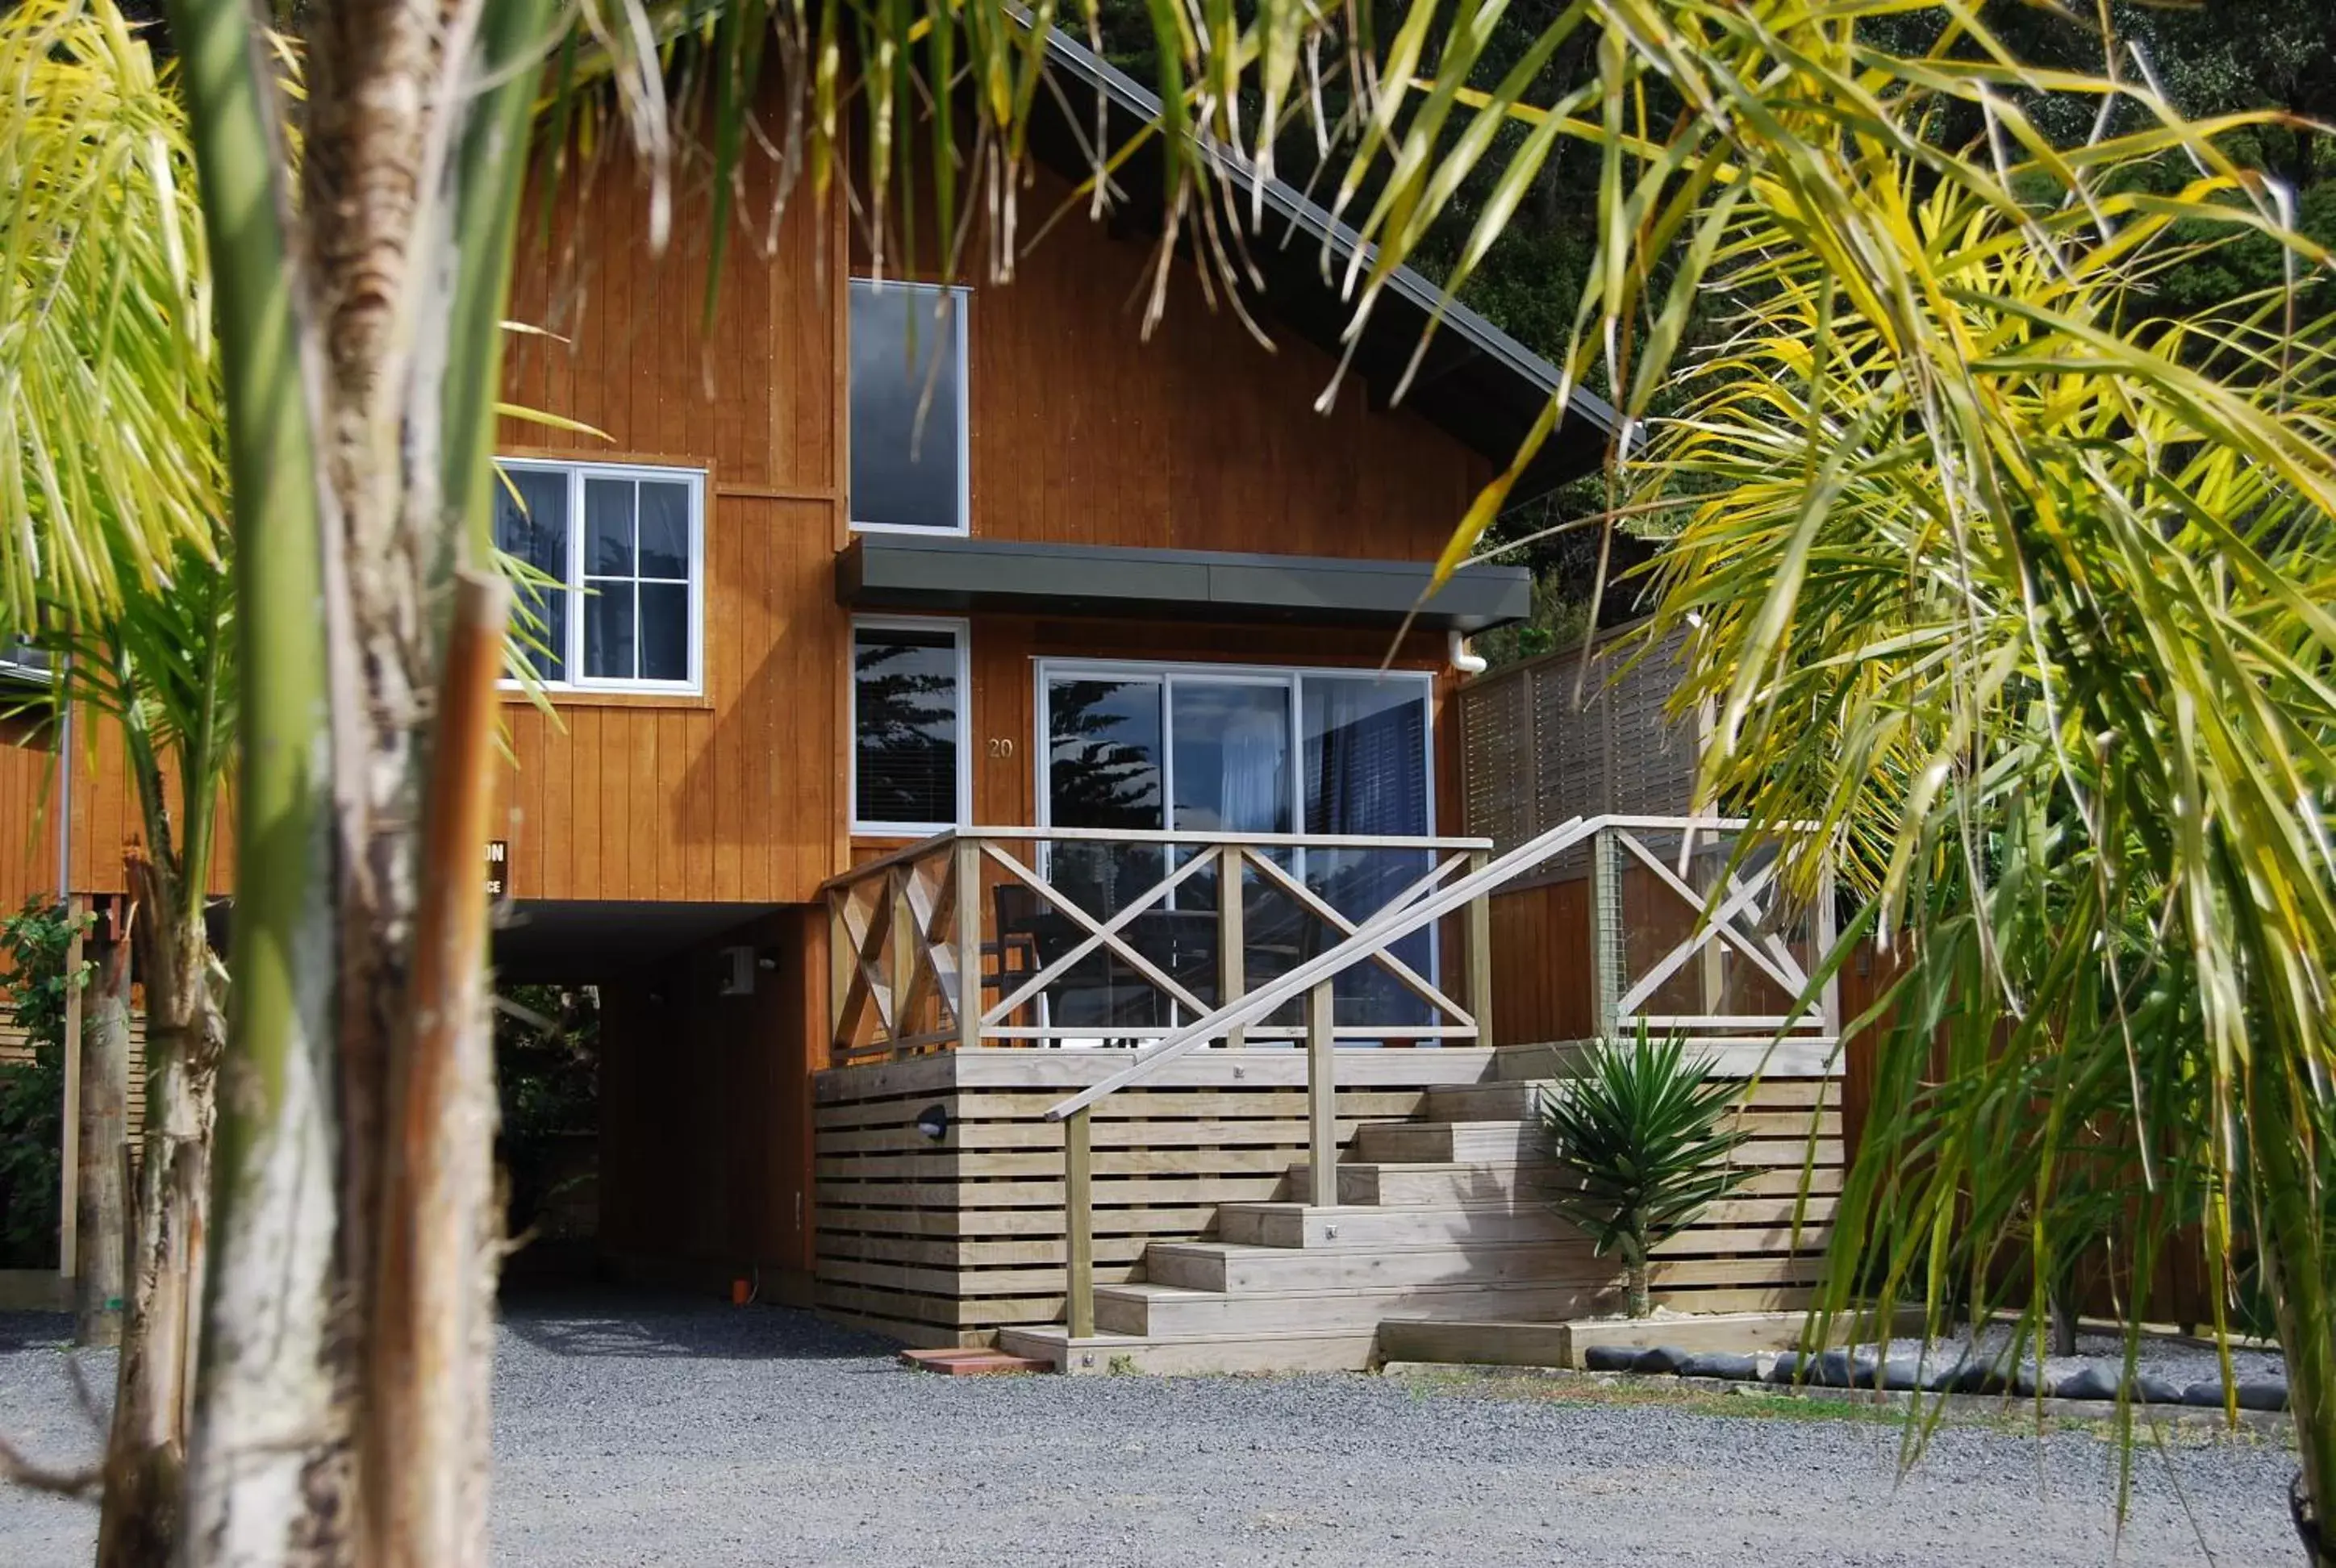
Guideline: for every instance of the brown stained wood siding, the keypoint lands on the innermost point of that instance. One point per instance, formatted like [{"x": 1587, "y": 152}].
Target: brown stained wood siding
[
  {"x": 735, "y": 795},
  {"x": 1200, "y": 439},
  {"x": 105, "y": 818}
]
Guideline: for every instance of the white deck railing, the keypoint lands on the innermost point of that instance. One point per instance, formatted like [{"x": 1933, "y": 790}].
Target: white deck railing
[{"x": 1052, "y": 937}]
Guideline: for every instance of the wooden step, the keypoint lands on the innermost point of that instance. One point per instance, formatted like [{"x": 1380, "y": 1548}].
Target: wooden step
[
  {"x": 1497, "y": 1102},
  {"x": 1346, "y": 1350},
  {"x": 1149, "y": 1309},
  {"x": 1539, "y": 1062},
  {"x": 1449, "y": 1143},
  {"x": 972, "y": 1361},
  {"x": 1476, "y": 1342},
  {"x": 1434, "y": 1186},
  {"x": 1261, "y": 1270},
  {"x": 1299, "y": 1225}
]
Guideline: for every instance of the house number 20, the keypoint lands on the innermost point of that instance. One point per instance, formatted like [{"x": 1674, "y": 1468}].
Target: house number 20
[{"x": 1002, "y": 745}]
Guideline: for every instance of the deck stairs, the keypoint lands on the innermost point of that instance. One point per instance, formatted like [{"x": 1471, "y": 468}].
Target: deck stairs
[{"x": 1438, "y": 1218}]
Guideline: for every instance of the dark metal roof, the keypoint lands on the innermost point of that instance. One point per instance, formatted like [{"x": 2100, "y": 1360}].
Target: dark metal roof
[
  {"x": 1474, "y": 381},
  {"x": 918, "y": 571}
]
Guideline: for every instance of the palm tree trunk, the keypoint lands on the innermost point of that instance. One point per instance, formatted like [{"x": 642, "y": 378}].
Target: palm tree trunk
[
  {"x": 265, "y": 1484},
  {"x": 333, "y": 1425},
  {"x": 146, "y": 1449},
  {"x": 426, "y": 1438},
  {"x": 1638, "y": 1300},
  {"x": 2288, "y": 1207}
]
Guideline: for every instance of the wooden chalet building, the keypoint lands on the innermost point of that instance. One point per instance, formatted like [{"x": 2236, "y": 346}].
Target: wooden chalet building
[{"x": 892, "y": 777}]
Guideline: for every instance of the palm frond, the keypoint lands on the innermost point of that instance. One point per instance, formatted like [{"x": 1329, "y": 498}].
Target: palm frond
[{"x": 109, "y": 411}]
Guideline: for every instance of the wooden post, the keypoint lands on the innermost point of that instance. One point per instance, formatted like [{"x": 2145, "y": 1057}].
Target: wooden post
[
  {"x": 905, "y": 937},
  {"x": 1824, "y": 937},
  {"x": 842, "y": 963},
  {"x": 1078, "y": 1216},
  {"x": 1480, "y": 952},
  {"x": 1606, "y": 953},
  {"x": 1232, "y": 944},
  {"x": 100, "y": 1281},
  {"x": 1712, "y": 959},
  {"x": 69, "y": 1064},
  {"x": 1321, "y": 1097},
  {"x": 967, "y": 856}
]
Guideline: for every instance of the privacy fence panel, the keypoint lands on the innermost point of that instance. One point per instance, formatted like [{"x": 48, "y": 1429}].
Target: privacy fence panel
[{"x": 1575, "y": 733}]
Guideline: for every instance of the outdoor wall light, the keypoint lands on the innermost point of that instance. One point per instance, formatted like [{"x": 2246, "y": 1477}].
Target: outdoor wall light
[{"x": 933, "y": 1122}]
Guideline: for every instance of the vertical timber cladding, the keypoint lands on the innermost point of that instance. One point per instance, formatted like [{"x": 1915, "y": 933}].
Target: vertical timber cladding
[{"x": 945, "y": 1241}]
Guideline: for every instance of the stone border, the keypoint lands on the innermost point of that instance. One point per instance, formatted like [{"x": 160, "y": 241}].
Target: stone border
[
  {"x": 2270, "y": 1423},
  {"x": 1862, "y": 1368}
]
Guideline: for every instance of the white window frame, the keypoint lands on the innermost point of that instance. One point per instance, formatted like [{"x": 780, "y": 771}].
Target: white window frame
[
  {"x": 960, "y": 308},
  {"x": 961, "y": 631},
  {"x": 572, "y": 656}
]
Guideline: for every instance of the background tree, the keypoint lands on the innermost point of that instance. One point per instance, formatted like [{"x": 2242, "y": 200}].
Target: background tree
[{"x": 36, "y": 941}]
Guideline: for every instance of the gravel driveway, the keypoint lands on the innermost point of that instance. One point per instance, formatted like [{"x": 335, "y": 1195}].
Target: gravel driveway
[{"x": 646, "y": 1430}]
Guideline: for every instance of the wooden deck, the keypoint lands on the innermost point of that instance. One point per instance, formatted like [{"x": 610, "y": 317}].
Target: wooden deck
[{"x": 1190, "y": 1197}]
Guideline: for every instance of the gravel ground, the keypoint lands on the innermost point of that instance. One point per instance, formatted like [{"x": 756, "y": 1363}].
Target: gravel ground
[{"x": 644, "y": 1430}]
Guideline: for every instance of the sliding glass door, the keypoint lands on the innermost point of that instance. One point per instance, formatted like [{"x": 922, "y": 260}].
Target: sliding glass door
[
  {"x": 1233, "y": 749},
  {"x": 1106, "y": 761},
  {"x": 1367, "y": 774}
]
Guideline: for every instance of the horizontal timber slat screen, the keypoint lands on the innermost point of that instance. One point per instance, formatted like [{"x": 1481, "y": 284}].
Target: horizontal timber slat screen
[{"x": 945, "y": 1240}]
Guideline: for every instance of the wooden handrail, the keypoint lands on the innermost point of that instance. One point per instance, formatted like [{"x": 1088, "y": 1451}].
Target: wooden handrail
[
  {"x": 1173, "y": 838},
  {"x": 1413, "y": 911}
]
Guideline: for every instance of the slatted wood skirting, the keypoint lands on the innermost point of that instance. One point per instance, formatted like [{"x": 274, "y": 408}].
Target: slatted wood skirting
[
  {"x": 942, "y": 1243},
  {"x": 945, "y": 1242},
  {"x": 1760, "y": 1251}
]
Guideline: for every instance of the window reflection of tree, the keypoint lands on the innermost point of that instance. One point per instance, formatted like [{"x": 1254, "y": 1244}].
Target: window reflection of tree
[
  {"x": 1103, "y": 771},
  {"x": 906, "y": 692},
  {"x": 1101, "y": 779}
]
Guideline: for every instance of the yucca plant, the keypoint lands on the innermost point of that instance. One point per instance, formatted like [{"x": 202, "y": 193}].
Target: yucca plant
[{"x": 1646, "y": 1135}]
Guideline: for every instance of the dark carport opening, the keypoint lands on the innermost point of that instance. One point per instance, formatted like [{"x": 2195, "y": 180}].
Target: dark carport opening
[{"x": 651, "y": 1091}]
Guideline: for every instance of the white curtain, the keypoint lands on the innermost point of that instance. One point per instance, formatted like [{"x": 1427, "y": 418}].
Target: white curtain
[{"x": 1253, "y": 788}]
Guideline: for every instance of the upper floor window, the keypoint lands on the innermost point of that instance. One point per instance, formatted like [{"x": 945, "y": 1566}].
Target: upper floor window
[
  {"x": 907, "y": 406},
  {"x": 625, "y": 546}
]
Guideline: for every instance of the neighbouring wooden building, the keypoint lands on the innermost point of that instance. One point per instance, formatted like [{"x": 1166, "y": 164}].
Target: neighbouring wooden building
[{"x": 928, "y": 665}]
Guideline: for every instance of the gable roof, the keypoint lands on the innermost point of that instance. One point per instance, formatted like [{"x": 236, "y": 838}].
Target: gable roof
[{"x": 1474, "y": 382}]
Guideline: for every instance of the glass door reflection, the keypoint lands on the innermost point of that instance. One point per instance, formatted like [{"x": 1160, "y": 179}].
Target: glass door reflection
[{"x": 1106, "y": 768}]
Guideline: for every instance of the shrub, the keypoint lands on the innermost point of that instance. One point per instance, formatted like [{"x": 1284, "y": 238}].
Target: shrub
[
  {"x": 35, "y": 941},
  {"x": 1644, "y": 1132}
]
